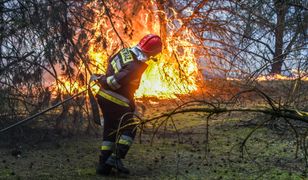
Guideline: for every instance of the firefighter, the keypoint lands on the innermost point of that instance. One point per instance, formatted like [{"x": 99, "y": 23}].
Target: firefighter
[{"x": 116, "y": 100}]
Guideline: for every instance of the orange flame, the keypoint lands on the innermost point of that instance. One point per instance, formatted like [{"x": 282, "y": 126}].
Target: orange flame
[
  {"x": 296, "y": 76},
  {"x": 176, "y": 70}
]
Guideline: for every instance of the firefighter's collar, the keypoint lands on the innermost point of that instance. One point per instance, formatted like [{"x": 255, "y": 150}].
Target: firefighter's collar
[{"x": 139, "y": 54}]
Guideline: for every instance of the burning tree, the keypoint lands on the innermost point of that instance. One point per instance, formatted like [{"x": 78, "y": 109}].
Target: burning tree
[{"x": 176, "y": 71}]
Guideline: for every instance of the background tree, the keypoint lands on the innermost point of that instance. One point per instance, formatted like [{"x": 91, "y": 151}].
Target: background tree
[
  {"x": 275, "y": 30},
  {"x": 36, "y": 40}
]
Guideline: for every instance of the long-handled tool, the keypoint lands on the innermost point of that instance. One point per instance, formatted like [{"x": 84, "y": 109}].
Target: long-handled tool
[
  {"x": 40, "y": 113},
  {"x": 95, "y": 109}
]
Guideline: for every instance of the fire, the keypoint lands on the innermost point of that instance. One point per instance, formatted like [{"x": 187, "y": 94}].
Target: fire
[
  {"x": 282, "y": 77},
  {"x": 174, "y": 73},
  {"x": 66, "y": 86}
]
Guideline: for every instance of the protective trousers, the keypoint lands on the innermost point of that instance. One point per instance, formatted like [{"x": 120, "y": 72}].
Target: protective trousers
[{"x": 119, "y": 132}]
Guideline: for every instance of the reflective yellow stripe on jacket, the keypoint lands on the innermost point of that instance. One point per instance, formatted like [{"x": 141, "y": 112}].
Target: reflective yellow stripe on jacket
[{"x": 114, "y": 97}]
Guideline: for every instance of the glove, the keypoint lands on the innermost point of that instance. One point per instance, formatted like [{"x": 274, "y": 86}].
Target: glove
[
  {"x": 100, "y": 79},
  {"x": 94, "y": 77}
]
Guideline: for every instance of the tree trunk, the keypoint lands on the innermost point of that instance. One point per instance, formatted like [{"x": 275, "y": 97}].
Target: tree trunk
[
  {"x": 1, "y": 28},
  {"x": 281, "y": 9}
]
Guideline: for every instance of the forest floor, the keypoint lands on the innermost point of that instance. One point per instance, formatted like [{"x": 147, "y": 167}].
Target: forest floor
[
  {"x": 269, "y": 154},
  {"x": 187, "y": 152}
]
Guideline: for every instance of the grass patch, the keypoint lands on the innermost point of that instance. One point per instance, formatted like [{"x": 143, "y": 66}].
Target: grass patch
[{"x": 187, "y": 155}]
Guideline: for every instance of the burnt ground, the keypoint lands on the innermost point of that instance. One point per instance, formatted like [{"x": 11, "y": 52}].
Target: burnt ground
[{"x": 188, "y": 151}]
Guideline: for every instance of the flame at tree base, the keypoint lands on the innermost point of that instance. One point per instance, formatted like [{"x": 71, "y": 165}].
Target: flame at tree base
[{"x": 155, "y": 84}]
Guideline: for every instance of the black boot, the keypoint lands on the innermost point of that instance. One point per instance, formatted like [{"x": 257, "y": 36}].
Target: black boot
[
  {"x": 103, "y": 168},
  {"x": 121, "y": 149},
  {"x": 117, "y": 163}
]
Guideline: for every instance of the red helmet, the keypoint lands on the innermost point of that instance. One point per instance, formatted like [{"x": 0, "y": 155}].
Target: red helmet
[{"x": 150, "y": 44}]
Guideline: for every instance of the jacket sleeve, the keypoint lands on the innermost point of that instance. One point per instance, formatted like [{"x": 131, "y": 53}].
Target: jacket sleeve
[{"x": 122, "y": 78}]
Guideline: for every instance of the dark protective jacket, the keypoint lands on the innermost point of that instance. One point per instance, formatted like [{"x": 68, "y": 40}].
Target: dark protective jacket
[{"x": 123, "y": 74}]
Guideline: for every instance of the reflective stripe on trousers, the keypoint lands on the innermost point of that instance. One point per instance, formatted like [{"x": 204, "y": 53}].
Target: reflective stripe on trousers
[
  {"x": 107, "y": 146},
  {"x": 125, "y": 140}
]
